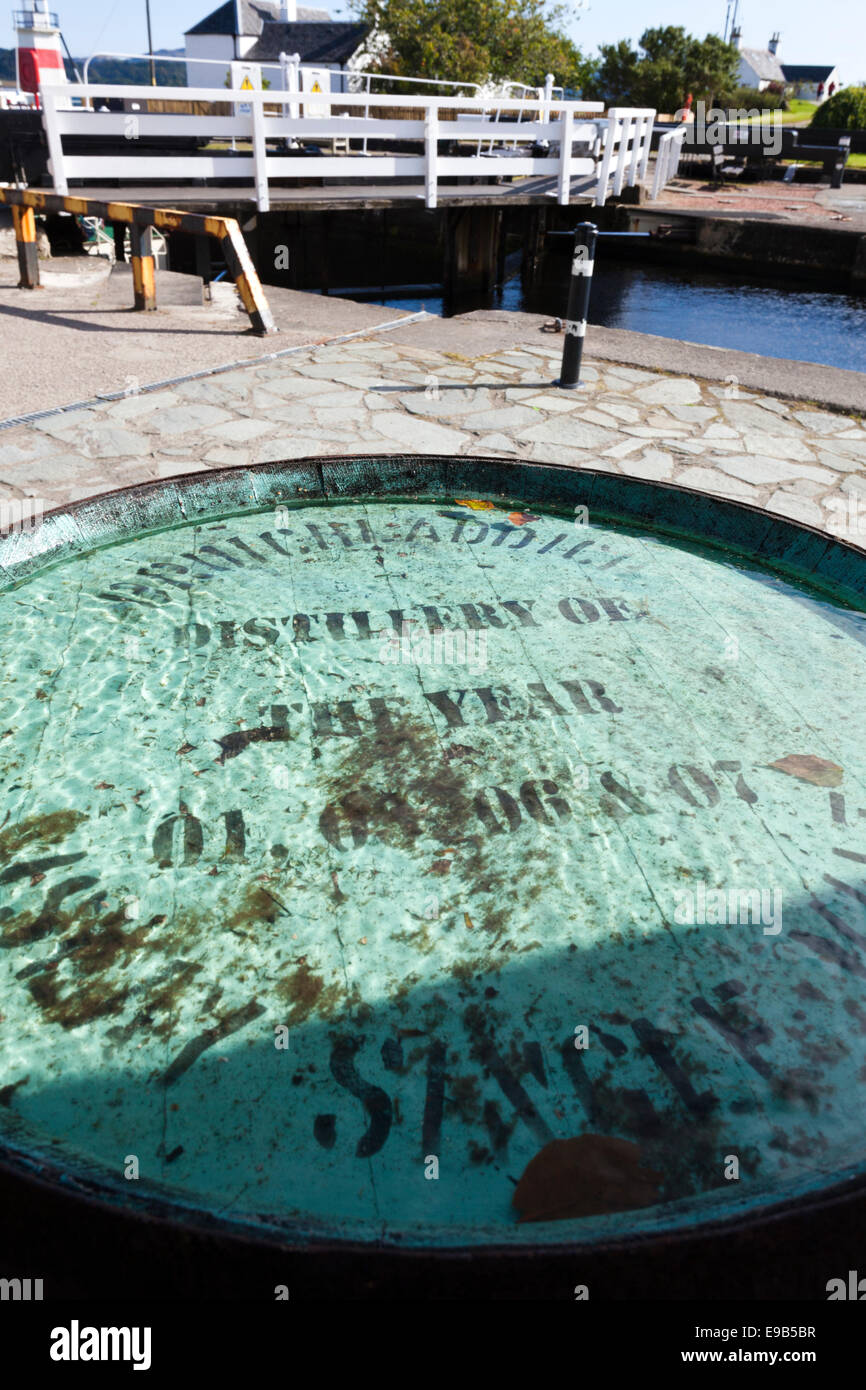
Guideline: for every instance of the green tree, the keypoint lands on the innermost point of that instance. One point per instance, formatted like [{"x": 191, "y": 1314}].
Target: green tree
[
  {"x": 667, "y": 64},
  {"x": 845, "y": 110},
  {"x": 474, "y": 40}
]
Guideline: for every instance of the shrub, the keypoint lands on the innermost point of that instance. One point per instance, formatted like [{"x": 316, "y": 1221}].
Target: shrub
[
  {"x": 845, "y": 110},
  {"x": 751, "y": 98}
]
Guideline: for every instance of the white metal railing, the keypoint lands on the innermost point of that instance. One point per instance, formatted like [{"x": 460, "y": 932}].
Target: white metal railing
[
  {"x": 98, "y": 240},
  {"x": 668, "y": 158},
  {"x": 101, "y": 242},
  {"x": 625, "y": 149},
  {"x": 368, "y": 77},
  {"x": 358, "y": 79},
  {"x": 616, "y": 145},
  {"x": 542, "y": 93},
  {"x": 187, "y": 59}
]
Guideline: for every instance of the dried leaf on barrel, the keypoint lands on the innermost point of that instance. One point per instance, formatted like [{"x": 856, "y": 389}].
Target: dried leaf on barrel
[
  {"x": 586, "y": 1176},
  {"x": 810, "y": 769}
]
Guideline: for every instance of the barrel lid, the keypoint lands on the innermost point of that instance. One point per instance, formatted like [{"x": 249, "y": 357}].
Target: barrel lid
[{"x": 440, "y": 852}]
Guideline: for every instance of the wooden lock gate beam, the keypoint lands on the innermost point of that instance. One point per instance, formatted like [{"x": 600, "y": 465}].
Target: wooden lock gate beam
[{"x": 26, "y": 202}]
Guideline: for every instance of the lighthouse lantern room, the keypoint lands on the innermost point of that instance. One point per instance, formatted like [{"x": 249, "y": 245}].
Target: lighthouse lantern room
[{"x": 40, "y": 56}]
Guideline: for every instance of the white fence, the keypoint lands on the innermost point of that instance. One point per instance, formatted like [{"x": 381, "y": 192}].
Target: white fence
[
  {"x": 611, "y": 149},
  {"x": 626, "y": 135},
  {"x": 668, "y": 158}
]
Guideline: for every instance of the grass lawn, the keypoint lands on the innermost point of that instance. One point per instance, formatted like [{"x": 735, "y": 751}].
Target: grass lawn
[{"x": 798, "y": 113}]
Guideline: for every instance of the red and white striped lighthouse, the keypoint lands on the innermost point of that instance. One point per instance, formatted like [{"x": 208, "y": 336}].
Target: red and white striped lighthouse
[{"x": 40, "y": 58}]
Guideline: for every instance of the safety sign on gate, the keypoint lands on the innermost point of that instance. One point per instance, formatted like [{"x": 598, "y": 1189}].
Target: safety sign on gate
[
  {"x": 246, "y": 77},
  {"x": 316, "y": 80}
]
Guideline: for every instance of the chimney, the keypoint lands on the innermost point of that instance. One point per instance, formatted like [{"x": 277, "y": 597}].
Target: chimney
[
  {"x": 737, "y": 37},
  {"x": 774, "y": 44},
  {"x": 288, "y": 11}
]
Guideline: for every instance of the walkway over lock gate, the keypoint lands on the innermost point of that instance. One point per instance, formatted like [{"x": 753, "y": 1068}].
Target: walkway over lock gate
[{"x": 175, "y": 135}]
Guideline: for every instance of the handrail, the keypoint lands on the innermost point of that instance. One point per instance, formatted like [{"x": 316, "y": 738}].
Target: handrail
[
  {"x": 625, "y": 148},
  {"x": 667, "y": 158},
  {"x": 25, "y": 19},
  {"x": 425, "y": 81},
  {"x": 616, "y": 145},
  {"x": 225, "y": 63},
  {"x": 362, "y": 73},
  {"x": 389, "y": 77},
  {"x": 273, "y": 97}
]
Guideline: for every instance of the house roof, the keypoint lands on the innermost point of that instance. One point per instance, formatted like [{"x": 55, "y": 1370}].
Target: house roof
[
  {"x": 804, "y": 72},
  {"x": 254, "y": 15},
  {"x": 316, "y": 43},
  {"x": 764, "y": 64}
]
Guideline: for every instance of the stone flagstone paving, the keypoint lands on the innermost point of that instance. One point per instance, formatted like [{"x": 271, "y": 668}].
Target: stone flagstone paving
[{"x": 374, "y": 395}]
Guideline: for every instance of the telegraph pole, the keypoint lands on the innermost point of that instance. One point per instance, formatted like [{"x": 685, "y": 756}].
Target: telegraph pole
[{"x": 150, "y": 46}]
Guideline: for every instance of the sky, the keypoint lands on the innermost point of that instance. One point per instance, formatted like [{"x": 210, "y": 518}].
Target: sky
[{"x": 832, "y": 32}]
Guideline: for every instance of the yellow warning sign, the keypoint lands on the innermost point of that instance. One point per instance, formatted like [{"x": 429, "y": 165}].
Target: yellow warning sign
[
  {"x": 247, "y": 86},
  {"x": 315, "y": 87}
]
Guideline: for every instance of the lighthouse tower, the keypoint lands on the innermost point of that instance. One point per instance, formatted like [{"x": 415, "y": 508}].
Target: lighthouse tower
[{"x": 40, "y": 59}]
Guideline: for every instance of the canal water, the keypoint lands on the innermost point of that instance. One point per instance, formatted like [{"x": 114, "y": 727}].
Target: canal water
[{"x": 772, "y": 318}]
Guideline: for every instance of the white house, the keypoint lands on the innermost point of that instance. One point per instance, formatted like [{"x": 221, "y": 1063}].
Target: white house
[
  {"x": 258, "y": 32},
  {"x": 759, "y": 67},
  {"x": 812, "y": 82}
]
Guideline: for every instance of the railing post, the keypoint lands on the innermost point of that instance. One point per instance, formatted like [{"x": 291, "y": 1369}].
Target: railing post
[
  {"x": 548, "y": 96},
  {"x": 582, "y": 263},
  {"x": 24, "y": 222},
  {"x": 660, "y": 157},
  {"x": 431, "y": 152},
  {"x": 636, "y": 150},
  {"x": 48, "y": 100},
  {"x": 678, "y": 142},
  {"x": 628, "y": 131},
  {"x": 842, "y": 156},
  {"x": 610, "y": 137},
  {"x": 260, "y": 156},
  {"x": 647, "y": 147},
  {"x": 143, "y": 278},
  {"x": 566, "y": 138}
]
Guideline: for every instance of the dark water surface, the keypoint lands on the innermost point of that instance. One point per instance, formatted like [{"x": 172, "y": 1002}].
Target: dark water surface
[{"x": 768, "y": 317}]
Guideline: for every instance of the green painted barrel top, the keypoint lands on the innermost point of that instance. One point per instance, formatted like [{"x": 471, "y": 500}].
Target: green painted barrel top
[{"x": 441, "y": 852}]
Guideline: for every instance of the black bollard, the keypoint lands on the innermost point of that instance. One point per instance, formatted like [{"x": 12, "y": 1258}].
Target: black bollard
[{"x": 582, "y": 261}]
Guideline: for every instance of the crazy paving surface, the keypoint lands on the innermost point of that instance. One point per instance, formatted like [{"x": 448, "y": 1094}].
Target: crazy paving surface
[{"x": 391, "y": 396}]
